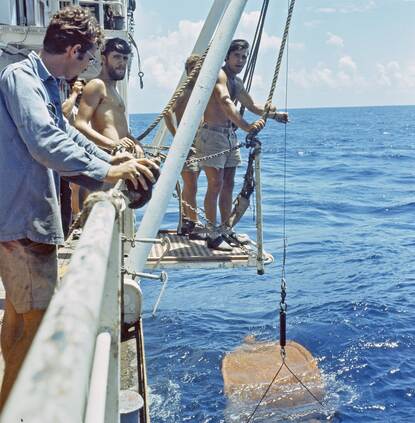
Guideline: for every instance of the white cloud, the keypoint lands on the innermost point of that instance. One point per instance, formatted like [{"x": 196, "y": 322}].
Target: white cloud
[
  {"x": 392, "y": 74},
  {"x": 352, "y": 7},
  {"x": 313, "y": 24},
  {"x": 334, "y": 40},
  {"x": 345, "y": 74},
  {"x": 246, "y": 30},
  {"x": 347, "y": 64},
  {"x": 163, "y": 57},
  {"x": 326, "y": 10},
  {"x": 358, "y": 7}
]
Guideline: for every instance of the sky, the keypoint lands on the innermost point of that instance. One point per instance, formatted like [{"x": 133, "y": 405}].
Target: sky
[{"x": 340, "y": 52}]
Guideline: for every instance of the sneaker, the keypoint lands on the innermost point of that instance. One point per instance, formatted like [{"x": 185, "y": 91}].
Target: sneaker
[
  {"x": 198, "y": 233},
  {"x": 235, "y": 239},
  {"x": 76, "y": 233},
  {"x": 218, "y": 244},
  {"x": 186, "y": 228}
]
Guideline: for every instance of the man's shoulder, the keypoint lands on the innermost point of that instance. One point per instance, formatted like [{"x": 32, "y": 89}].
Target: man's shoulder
[
  {"x": 222, "y": 78},
  {"x": 96, "y": 84},
  {"x": 222, "y": 75},
  {"x": 22, "y": 67}
]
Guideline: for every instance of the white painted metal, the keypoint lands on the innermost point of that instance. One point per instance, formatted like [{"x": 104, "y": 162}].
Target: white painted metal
[
  {"x": 95, "y": 411},
  {"x": 133, "y": 301},
  {"x": 8, "y": 14},
  {"x": 110, "y": 320},
  {"x": 54, "y": 378},
  {"x": 259, "y": 223},
  {"x": 185, "y": 134},
  {"x": 202, "y": 42}
]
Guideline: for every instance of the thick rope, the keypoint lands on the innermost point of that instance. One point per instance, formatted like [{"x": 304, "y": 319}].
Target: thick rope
[
  {"x": 180, "y": 90},
  {"x": 114, "y": 196},
  {"x": 279, "y": 60}
]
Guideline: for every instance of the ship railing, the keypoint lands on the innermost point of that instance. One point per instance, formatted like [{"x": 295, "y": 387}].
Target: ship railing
[
  {"x": 99, "y": 8},
  {"x": 72, "y": 371}
]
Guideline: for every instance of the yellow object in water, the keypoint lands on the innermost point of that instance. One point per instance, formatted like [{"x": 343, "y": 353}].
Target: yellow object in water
[{"x": 249, "y": 369}]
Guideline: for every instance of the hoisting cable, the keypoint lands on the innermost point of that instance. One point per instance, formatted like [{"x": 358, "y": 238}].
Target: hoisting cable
[
  {"x": 250, "y": 67},
  {"x": 140, "y": 71},
  {"x": 130, "y": 28},
  {"x": 283, "y": 305}
]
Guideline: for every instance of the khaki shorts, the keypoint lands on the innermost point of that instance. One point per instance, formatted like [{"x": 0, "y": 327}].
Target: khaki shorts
[
  {"x": 192, "y": 166},
  {"x": 29, "y": 271},
  {"x": 211, "y": 140}
]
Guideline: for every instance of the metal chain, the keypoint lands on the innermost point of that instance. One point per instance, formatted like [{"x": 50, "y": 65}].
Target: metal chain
[
  {"x": 202, "y": 215},
  {"x": 214, "y": 155}
]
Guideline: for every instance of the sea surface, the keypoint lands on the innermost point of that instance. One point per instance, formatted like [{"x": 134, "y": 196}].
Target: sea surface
[{"x": 350, "y": 270}]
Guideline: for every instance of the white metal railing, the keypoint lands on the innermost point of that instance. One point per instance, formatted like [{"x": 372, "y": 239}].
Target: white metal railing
[
  {"x": 119, "y": 7},
  {"x": 83, "y": 316}
]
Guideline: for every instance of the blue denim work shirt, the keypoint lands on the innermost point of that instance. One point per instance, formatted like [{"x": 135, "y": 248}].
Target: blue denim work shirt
[{"x": 37, "y": 146}]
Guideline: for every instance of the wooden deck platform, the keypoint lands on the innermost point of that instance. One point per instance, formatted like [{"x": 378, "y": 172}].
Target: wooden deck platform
[
  {"x": 182, "y": 253},
  {"x": 185, "y": 253}
]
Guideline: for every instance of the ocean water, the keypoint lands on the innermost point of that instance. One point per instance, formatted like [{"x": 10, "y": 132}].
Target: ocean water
[{"x": 350, "y": 209}]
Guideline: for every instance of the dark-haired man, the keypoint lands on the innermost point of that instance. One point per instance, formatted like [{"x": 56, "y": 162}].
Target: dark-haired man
[
  {"x": 37, "y": 146},
  {"x": 101, "y": 114},
  {"x": 217, "y": 134}
]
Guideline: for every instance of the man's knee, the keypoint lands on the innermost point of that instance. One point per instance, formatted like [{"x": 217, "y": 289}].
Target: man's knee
[{"x": 215, "y": 182}]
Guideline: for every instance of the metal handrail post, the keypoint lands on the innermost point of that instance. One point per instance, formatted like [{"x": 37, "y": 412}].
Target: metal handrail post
[
  {"x": 259, "y": 223},
  {"x": 198, "y": 100},
  {"x": 53, "y": 382},
  {"x": 110, "y": 321},
  {"x": 95, "y": 411}
]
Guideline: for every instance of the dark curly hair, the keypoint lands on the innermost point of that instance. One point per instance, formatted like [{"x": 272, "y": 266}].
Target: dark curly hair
[
  {"x": 116, "y": 44},
  {"x": 237, "y": 45},
  {"x": 72, "y": 25}
]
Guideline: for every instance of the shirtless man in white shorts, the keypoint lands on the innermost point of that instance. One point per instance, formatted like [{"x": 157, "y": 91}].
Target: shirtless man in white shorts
[{"x": 217, "y": 134}]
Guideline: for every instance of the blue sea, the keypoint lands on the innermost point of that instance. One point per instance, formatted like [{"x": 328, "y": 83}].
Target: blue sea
[{"x": 350, "y": 270}]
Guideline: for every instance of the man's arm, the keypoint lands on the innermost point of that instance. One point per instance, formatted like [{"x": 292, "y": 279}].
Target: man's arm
[
  {"x": 169, "y": 121},
  {"x": 69, "y": 103},
  {"x": 92, "y": 95},
  {"x": 222, "y": 96},
  {"x": 246, "y": 100},
  {"x": 89, "y": 146},
  {"x": 45, "y": 141},
  {"x": 52, "y": 147}
]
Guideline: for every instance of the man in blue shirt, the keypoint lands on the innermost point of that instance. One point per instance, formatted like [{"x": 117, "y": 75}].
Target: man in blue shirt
[{"x": 37, "y": 147}]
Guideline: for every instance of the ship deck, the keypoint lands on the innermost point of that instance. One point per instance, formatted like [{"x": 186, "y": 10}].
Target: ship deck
[
  {"x": 181, "y": 252},
  {"x": 185, "y": 253}
]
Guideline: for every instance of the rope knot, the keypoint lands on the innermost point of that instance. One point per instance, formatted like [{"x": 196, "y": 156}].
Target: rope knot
[{"x": 114, "y": 196}]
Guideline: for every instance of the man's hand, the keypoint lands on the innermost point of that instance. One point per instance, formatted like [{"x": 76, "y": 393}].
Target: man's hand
[
  {"x": 257, "y": 126},
  {"x": 281, "y": 117},
  {"x": 77, "y": 87},
  {"x": 127, "y": 143},
  {"x": 121, "y": 157},
  {"x": 135, "y": 170}
]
